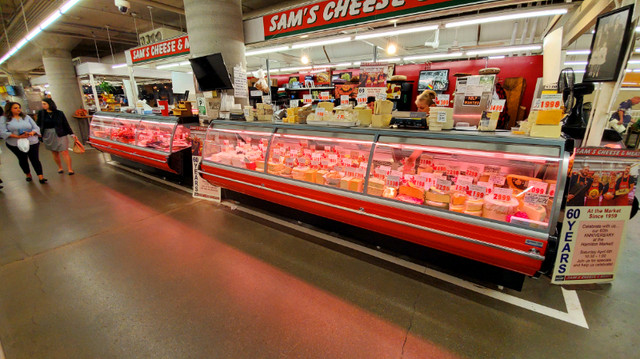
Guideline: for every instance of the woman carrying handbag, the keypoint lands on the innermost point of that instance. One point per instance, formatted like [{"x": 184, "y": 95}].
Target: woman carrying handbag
[
  {"x": 55, "y": 130},
  {"x": 21, "y": 134}
]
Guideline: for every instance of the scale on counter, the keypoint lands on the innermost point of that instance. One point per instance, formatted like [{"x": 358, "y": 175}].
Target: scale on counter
[{"x": 408, "y": 120}]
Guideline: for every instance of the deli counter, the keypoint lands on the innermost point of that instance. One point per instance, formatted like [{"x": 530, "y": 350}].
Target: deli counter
[
  {"x": 492, "y": 198},
  {"x": 156, "y": 141}
]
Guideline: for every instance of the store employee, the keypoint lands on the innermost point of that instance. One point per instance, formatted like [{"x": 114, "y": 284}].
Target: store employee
[{"x": 426, "y": 100}]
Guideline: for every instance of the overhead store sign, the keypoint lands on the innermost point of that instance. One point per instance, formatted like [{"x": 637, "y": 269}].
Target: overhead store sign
[
  {"x": 335, "y": 13},
  {"x": 169, "y": 48}
]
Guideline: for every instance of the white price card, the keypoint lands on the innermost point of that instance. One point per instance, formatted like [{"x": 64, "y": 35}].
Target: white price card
[
  {"x": 535, "y": 198},
  {"x": 476, "y": 191},
  {"x": 442, "y": 100},
  {"x": 538, "y": 187},
  {"x": 324, "y": 96},
  {"x": 381, "y": 96},
  {"x": 497, "y": 105},
  {"x": 392, "y": 181},
  {"x": 320, "y": 112},
  {"x": 442, "y": 117},
  {"x": 362, "y": 99},
  {"x": 497, "y": 180},
  {"x": 443, "y": 185},
  {"x": 502, "y": 194},
  {"x": 536, "y": 104},
  {"x": 551, "y": 101},
  {"x": 293, "y": 103},
  {"x": 474, "y": 90},
  {"x": 266, "y": 99},
  {"x": 307, "y": 99},
  {"x": 344, "y": 99},
  {"x": 255, "y": 93}
]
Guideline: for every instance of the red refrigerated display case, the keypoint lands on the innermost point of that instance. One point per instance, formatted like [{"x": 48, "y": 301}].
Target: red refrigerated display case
[{"x": 490, "y": 198}]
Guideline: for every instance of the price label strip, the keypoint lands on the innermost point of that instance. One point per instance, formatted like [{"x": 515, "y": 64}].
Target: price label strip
[{"x": 551, "y": 102}]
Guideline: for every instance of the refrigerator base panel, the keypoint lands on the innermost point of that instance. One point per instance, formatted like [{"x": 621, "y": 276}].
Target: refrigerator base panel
[{"x": 148, "y": 158}]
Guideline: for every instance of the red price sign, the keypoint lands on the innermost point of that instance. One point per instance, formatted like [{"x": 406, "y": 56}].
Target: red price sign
[
  {"x": 502, "y": 194},
  {"x": 392, "y": 181},
  {"x": 361, "y": 99},
  {"x": 473, "y": 171},
  {"x": 440, "y": 167},
  {"x": 426, "y": 160},
  {"x": 324, "y": 96},
  {"x": 344, "y": 99},
  {"x": 497, "y": 106},
  {"x": 538, "y": 187},
  {"x": 420, "y": 180},
  {"x": 476, "y": 191},
  {"x": 307, "y": 99},
  {"x": 443, "y": 185},
  {"x": 442, "y": 100},
  {"x": 320, "y": 112},
  {"x": 453, "y": 171},
  {"x": 551, "y": 102}
]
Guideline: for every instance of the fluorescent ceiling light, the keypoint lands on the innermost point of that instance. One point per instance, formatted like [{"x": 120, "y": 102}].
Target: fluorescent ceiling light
[
  {"x": 638, "y": 49},
  {"x": 394, "y": 59},
  {"x": 633, "y": 62},
  {"x": 274, "y": 70},
  {"x": 636, "y": 70},
  {"x": 266, "y": 51},
  {"x": 118, "y": 66},
  {"x": 175, "y": 64},
  {"x": 637, "y": 29},
  {"x": 575, "y": 63},
  {"x": 338, "y": 40},
  {"x": 579, "y": 71},
  {"x": 343, "y": 64},
  {"x": 578, "y": 52},
  {"x": 497, "y": 57},
  {"x": 504, "y": 50},
  {"x": 630, "y": 88},
  {"x": 48, "y": 21},
  {"x": 514, "y": 16},
  {"x": 20, "y": 44},
  {"x": 357, "y": 63},
  {"x": 296, "y": 68},
  {"x": 68, "y": 5},
  {"x": 33, "y": 33},
  {"x": 185, "y": 63},
  {"x": 410, "y": 30},
  {"x": 433, "y": 56}
]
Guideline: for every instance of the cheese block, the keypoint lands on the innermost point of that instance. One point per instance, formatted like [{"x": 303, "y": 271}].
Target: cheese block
[
  {"x": 474, "y": 213},
  {"x": 458, "y": 198},
  {"x": 364, "y": 116},
  {"x": 549, "y": 117},
  {"x": 328, "y": 106},
  {"x": 310, "y": 174},
  {"x": 456, "y": 208},
  {"x": 299, "y": 172},
  {"x": 484, "y": 177},
  {"x": 436, "y": 204},
  {"x": 375, "y": 187},
  {"x": 380, "y": 121},
  {"x": 519, "y": 183},
  {"x": 412, "y": 192},
  {"x": 344, "y": 182},
  {"x": 260, "y": 165},
  {"x": 383, "y": 107},
  {"x": 425, "y": 169},
  {"x": 275, "y": 167},
  {"x": 499, "y": 210},
  {"x": 546, "y": 131},
  {"x": 356, "y": 184},
  {"x": 436, "y": 195},
  {"x": 535, "y": 212},
  {"x": 333, "y": 178},
  {"x": 389, "y": 192},
  {"x": 474, "y": 205},
  {"x": 319, "y": 177}
]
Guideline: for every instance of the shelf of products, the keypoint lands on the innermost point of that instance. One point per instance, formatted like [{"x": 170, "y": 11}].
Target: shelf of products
[
  {"x": 150, "y": 140},
  {"x": 494, "y": 198}
]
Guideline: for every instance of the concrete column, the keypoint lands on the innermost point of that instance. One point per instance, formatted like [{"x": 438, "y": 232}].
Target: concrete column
[
  {"x": 63, "y": 85},
  {"x": 216, "y": 26}
]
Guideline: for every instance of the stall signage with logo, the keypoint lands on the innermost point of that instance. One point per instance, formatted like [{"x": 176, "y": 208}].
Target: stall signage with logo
[
  {"x": 201, "y": 187},
  {"x": 164, "y": 49},
  {"x": 335, "y": 13}
]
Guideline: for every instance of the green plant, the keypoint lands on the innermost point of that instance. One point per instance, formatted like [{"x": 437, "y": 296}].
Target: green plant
[{"x": 106, "y": 87}]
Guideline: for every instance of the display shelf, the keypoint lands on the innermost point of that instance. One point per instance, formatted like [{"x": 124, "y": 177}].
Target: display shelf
[
  {"x": 150, "y": 140},
  {"x": 466, "y": 193},
  {"x": 311, "y": 88}
]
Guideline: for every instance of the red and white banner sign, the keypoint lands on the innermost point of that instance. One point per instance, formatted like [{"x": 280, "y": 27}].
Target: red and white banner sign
[
  {"x": 169, "y": 48},
  {"x": 609, "y": 152},
  {"x": 335, "y": 13}
]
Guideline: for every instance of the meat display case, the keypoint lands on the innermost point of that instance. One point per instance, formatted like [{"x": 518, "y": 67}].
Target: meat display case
[
  {"x": 492, "y": 198},
  {"x": 154, "y": 141}
]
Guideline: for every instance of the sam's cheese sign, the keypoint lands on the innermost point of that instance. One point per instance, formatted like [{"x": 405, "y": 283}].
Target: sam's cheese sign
[
  {"x": 334, "y": 13},
  {"x": 173, "y": 47}
]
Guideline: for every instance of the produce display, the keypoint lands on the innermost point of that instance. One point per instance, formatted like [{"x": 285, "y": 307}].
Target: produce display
[{"x": 475, "y": 186}]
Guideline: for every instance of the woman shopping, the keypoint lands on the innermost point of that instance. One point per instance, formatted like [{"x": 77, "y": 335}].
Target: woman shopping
[
  {"x": 55, "y": 129},
  {"x": 15, "y": 126}
]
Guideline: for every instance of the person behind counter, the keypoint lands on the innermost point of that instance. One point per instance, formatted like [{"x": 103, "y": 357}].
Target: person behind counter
[
  {"x": 55, "y": 130},
  {"x": 426, "y": 100},
  {"x": 621, "y": 115},
  {"x": 16, "y": 125}
]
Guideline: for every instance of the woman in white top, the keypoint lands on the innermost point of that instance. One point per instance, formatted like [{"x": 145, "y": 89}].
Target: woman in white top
[{"x": 16, "y": 125}]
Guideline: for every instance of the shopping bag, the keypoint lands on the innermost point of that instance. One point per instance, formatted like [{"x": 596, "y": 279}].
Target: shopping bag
[
  {"x": 23, "y": 144},
  {"x": 78, "y": 147}
]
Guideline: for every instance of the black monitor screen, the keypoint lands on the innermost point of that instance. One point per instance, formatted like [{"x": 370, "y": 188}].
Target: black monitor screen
[{"x": 211, "y": 72}]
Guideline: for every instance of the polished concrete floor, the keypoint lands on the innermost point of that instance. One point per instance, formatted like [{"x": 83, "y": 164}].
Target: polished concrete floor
[{"x": 107, "y": 264}]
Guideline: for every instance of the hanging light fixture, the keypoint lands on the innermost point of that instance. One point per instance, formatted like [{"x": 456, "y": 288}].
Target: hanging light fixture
[
  {"x": 391, "y": 48},
  {"x": 304, "y": 59}
]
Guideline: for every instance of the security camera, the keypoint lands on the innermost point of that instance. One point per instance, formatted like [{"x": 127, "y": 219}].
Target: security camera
[{"x": 123, "y": 6}]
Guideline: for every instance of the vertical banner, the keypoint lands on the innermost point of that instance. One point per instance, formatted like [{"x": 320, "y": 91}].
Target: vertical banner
[
  {"x": 201, "y": 187},
  {"x": 602, "y": 187},
  {"x": 373, "y": 79}
]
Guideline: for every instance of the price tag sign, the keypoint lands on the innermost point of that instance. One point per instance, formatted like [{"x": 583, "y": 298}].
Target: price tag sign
[
  {"x": 340, "y": 117},
  {"x": 361, "y": 99},
  {"x": 551, "y": 102},
  {"x": 320, "y": 112},
  {"x": 552, "y": 191},
  {"x": 346, "y": 162},
  {"x": 426, "y": 160},
  {"x": 492, "y": 169},
  {"x": 293, "y": 103},
  {"x": 497, "y": 105},
  {"x": 290, "y": 162},
  {"x": 463, "y": 184},
  {"x": 420, "y": 180},
  {"x": 266, "y": 99},
  {"x": 307, "y": 99},
  {"x": 439, "y": 167},
  {"x": 497, "y": 180},
  {"x": 476, "y": 191},
  {"x": 488, "y": 187},
  {"x": 535, "y": 198},
  {"x": 333, "y": 159},
  {"x": 536, "y": 104},
  {"x": 396, "y": 174},
  {"x": 443, "y": 185},
  {"x": 538, "y": 187},
  {"x": 324, "y": 96},
  {"x": 442, "y": 100},
  {"x": 473, "y": 171},
  {"x": 453, "y": 171},
  {"x": 442, "y": 117},
  {"x": 392, "y": 181},
  {"x": 381, "y": 96},
  {"x": 344, "y": 99},
  {"x": 502, "y": 194}
]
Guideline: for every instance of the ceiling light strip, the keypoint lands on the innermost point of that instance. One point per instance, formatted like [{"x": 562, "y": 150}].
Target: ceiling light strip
[{"x": 514, "y": 16}]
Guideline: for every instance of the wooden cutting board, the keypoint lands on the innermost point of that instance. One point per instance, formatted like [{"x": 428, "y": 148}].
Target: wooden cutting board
[{"x": 514, "y": 87}]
